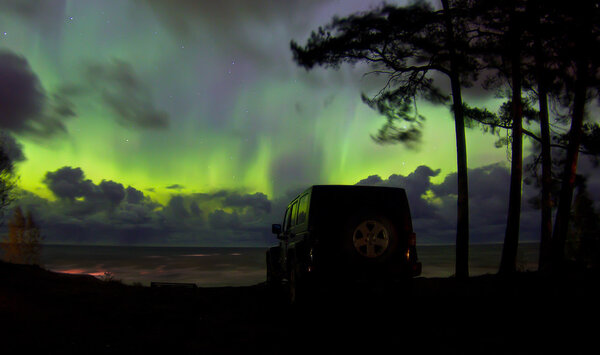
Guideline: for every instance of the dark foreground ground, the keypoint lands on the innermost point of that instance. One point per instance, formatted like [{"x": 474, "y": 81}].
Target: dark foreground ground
[{"x": 528, "y": 313}]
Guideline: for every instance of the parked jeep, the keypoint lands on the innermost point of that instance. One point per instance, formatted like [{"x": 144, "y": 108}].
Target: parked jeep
[{"x": 337, "y": 232}]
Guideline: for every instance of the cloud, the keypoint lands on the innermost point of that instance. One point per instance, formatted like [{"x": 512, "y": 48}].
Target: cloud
[
  {"x": 416, "y": 185},
  {"x": 107, "y": 212},
  {"x": 258, "y": 201},
  {"x": 86, "y": 212},
  {"x": 68, "y": 183},
  {"x": 220, "y": 219},
  {"x": 194, "y": 209},
  {"x": 25, "y": 107},
  {"x": 11, "y": 149},
  {"x": 433, "y": 206},
  {"x": 43, "y": 14},
  {"x": 121, "y": 90},
  {"x": 112, "y": 191},
  {"x": 373, "y": 180},
  {"x": 80, "y": 197},
  {"x": 176, "y": 208},
  {"x": 181, "y": 16},
  {"x": 30, "y": 8},
  {"x": 175, "y": 187},
  {"x": 133, "y": 195}
]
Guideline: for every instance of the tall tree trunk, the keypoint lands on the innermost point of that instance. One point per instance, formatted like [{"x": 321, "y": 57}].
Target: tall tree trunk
[
  {"x": 462, "y": 218},
  {"x": 561, "y": 225},
  {"x": 546, "y": 226},
  {"x": 508, "y": 262}
]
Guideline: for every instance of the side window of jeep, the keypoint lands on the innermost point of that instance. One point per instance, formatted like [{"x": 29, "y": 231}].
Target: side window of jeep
[
  {"x": 294, "y": 214},
  {"x": 302, "y": 209},
  {"x": 286, "y": 219}
]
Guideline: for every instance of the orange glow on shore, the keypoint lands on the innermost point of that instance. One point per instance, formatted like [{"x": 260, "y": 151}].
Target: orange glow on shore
[{"x": 81, "y": 272}]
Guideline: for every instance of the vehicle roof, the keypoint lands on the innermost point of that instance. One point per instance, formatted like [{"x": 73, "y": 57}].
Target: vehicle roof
[
  {"x": 353, "y": 187},
  {"x": 347, "y": 188}
]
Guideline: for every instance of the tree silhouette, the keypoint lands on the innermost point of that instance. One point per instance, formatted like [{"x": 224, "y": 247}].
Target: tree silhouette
[
  {"x": 585, "y": 237},
  {"x": 498, "y": 28},
  {"x": 547, "y": 49},
  {"x": 407, "y": 44},
  {"x": 7, "y": 179},
  {"x": 533, "y": 46},
  {"x": 23, "y": 243},
  {"x": 543, "y": 26},
  {"x": 33, "y": 238},
  {"x": 511, "y": 238},
  {"x": 580, "y": 58},
  {"x": 13, "y": 247}
]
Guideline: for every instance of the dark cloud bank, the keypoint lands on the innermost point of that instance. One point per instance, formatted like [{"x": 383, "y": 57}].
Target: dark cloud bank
[
  {"x": 110, "y": 213},
  {"x": 27, "y": 108},
  {"x": 433, "y": 206},
  {"x": 124, "y": 93}
]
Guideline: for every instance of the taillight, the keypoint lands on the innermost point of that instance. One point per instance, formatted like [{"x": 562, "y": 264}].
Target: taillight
[
  {"x": 412, "y": 239},
  {"x": 311, "y": 260}
]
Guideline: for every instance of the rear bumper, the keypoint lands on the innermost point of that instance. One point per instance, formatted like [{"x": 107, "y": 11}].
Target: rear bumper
[{"x": 351, "y": 272}]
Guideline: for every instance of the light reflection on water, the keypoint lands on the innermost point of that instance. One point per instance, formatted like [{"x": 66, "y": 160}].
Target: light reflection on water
[
  {"x": 208, "y": 267},
  {"x": 204, "y": 266}
]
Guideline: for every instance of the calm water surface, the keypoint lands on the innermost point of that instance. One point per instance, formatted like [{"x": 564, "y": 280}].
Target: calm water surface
[{"x": 238, "y": 266}]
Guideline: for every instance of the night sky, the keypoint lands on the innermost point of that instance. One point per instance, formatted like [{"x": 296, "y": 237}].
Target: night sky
[{"x": 187, "y": 123}]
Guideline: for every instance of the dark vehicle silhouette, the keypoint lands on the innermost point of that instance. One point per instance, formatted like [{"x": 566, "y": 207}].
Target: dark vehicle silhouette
[{"x": 337, "y": 232}]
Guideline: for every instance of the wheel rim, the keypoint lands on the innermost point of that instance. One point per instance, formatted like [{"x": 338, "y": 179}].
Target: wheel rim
[{"x": 371, "y": 238}]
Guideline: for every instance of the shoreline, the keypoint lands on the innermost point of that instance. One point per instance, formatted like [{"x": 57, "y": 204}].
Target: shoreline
[{"x": 81, "y": 314}]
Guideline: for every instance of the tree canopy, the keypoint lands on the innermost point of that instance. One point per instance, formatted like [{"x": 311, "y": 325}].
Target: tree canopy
[{"x": 543, "y": 53}]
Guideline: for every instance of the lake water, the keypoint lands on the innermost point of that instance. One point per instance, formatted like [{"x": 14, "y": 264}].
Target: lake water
[{"x": 208, "y": 267}]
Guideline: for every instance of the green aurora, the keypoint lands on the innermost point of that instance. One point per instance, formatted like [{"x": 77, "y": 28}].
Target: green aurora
[
  {"x": 266, "y": 115},
  {"x": 240, "y": 114}
]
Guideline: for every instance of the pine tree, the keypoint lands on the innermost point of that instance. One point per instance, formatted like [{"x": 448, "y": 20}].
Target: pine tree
[
  {"x": 32, "y": 239},
  {"x": 23, "y": 243},
  {"x": 409, "y": 45},
  {"x": 13, "y": 248}
]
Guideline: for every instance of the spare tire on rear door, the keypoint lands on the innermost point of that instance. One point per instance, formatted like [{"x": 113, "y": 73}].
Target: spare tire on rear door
[{"x": 370, "y": 238}]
